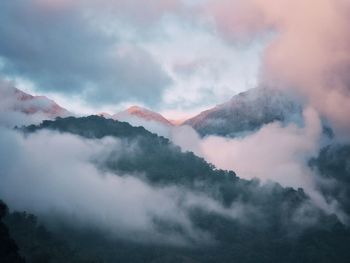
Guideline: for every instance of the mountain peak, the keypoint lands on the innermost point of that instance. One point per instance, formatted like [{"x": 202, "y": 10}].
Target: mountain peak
[
  {"x": 15, "y": 99},
  {"x": 246, "y": 112},
  {"x": 135, "y": 108},
  {"x": 142, "y": 113},
  {"x": 18, "y": 107}
]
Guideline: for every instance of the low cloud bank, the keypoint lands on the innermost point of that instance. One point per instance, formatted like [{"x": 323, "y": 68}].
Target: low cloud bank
[
  {"x": 277, "y": 152},
  {"x": 54, "y": 176},
  {"x": 18, "y": 108}
]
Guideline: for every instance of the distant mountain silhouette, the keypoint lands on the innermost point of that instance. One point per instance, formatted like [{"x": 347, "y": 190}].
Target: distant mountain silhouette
[{"x": 246, "y": 112}]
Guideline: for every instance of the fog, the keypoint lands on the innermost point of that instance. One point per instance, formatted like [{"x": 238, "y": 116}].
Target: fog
[
  {"x": 277, "y": 152},
  {"x": 309, "y": 53},
  {"x": 54, "y": 176}
]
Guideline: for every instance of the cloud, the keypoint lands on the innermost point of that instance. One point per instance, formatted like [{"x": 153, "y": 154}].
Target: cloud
[
  {"x": 11, "y": 119},
  {"x": 115, "y": 51},
  {"x": 102, "y": 54},
  {"x": 131, "y": 10},
  {"x": 153, "y": 126},
  {"x": 275, "y": 153},
  {"x": 205, "y": 69},
  {"x": 18, "y": 108},
  {"x": 309, "y": 53},
  {"x": 66, "y": 51},
  {"x": 65, "y": 184}
]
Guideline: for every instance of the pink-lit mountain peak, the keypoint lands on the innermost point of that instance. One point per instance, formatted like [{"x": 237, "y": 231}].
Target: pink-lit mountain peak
[
  {"x": 142, "y": 113},
  {"x": 14, "y": 99}
]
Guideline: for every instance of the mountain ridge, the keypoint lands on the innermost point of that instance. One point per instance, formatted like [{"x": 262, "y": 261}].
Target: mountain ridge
[
  {"x": 246, "y": 112},
  {"x": 20, "y": 108},
  {"x": 142, "y": 113}
]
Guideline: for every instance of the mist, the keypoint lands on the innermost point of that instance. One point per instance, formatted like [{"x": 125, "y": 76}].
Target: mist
[
  {"x": 309, "y": 53},
  {"x": 55, "y": 176},
  {"x": 18, "y": 108},
  {"x": 275, "y": 153}
]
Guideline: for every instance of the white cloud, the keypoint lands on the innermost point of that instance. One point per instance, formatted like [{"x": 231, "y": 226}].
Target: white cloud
[{"x": 53, "y": 176}]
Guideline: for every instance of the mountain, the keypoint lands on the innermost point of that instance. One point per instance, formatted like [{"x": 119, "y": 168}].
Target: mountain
[
  {"x": 246, "y": 112},
  {"x": 157, "y": 158},
  {"x": 141, "y": 113},
  {"x": 263, "y": 223},
  {"x": 17, "y": 100},
  {"x": 18, "y": 107}
]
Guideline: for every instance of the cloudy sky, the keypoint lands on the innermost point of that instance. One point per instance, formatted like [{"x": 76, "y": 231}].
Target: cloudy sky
[
  {"x": 167, "y": 55},
  {"x": 177, "y": 56}
]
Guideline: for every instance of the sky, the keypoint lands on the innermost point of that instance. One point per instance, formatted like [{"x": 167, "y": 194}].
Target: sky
[
  {"x": 178, "y": 57},
  {"x": 102, "y": 56}
]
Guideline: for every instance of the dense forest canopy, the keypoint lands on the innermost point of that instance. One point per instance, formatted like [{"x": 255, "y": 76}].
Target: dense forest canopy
[{"x": 273, "y": 224}]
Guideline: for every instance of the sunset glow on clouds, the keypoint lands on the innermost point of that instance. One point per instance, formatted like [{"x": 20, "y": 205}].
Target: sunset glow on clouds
[
  {"x": 177, "y": 56},
  {"x": 310, "y": 53},
  {"x": 166, "y": 55},
  {"x": 175, "y": 130}
]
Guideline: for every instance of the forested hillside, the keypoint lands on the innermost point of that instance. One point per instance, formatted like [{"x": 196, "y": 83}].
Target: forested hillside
[{"x": 270, "y": 223}]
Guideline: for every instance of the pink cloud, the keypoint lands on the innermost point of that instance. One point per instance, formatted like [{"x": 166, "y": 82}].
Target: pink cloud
[{"x": 310, "y": 53}]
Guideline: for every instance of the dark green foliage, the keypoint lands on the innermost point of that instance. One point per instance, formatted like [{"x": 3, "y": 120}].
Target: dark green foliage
[
  {"x": 333, "y": 165},
  {"x": 277, "y": 224},
  {"x": 8, "y": 248},
  {"x": 236, "y": 244},
  {"x": 37, "y": 244},
  {"x": 143, "y": 152},
  {"x": 94, "y": 127}
]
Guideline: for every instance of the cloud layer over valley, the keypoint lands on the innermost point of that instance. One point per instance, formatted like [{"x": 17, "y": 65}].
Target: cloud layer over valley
[
  {"x": 56, "y": 177},
  {"x": 236, "y": 147}
]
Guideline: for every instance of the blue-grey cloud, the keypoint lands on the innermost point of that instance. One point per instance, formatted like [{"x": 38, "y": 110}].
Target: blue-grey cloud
[{"x": 64, "y": 50}]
